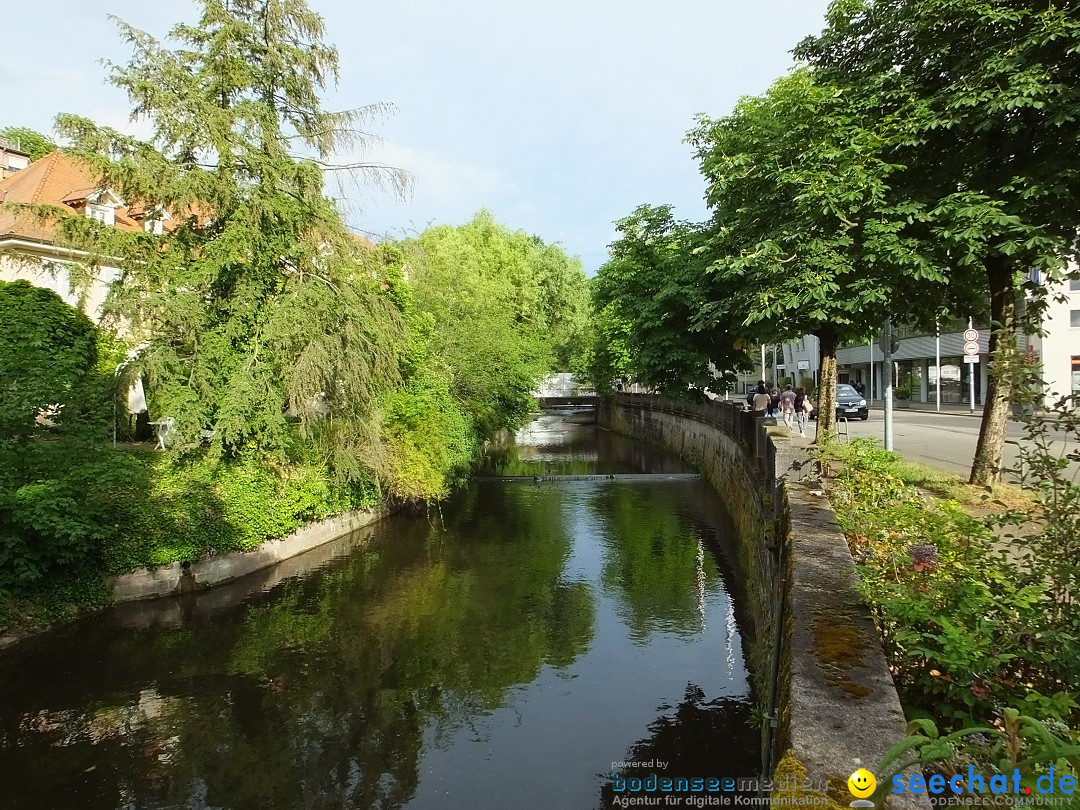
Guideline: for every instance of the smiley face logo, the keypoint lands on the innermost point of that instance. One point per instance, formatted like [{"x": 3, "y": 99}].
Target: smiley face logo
[{"x": 861, "y": 783}]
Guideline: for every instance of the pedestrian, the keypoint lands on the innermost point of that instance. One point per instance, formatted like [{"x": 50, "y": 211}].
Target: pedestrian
[
  {"x": 803, "y": 406},
  {"x": 787, "y": 406},
  {"x": 753, "y": 393},
  {"x": 774, "y": 402},
  {"x": 762, "y": 400}
]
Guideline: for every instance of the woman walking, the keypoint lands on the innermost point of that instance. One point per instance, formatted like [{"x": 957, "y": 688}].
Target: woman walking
[
  {"x": 787, "y": 406},
  {"x": 762, "y": 400},
  {"x": 803, "y": 406}
]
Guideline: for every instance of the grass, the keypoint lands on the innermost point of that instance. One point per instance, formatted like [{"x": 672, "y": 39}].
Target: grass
[{"x": 941, "y": 484}]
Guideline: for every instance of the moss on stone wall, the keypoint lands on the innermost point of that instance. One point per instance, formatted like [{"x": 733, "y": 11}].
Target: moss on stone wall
[
  {"x": 839, "y": 646},
  {"x": 793, "y": 786}
]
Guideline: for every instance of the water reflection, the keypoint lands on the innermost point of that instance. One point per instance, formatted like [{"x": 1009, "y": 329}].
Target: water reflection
[
  {"x": 551, "y": 445},
  {"x": 692, "y": 741},
  {"x": 501, "y": 651}
]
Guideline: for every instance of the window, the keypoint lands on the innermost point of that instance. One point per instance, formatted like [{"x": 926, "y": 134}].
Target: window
[
  {"x": 1074, "y": 285},
  {"x": 1074, "y": 318},
  {"x": 1076, "y": 374},
  {"x": 102, "y": 213}
]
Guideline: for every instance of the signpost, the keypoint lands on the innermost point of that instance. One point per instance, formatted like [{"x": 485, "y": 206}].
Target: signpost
[
  {"x": 937, "y": 364},
  {"x": 971, "y": 356}
]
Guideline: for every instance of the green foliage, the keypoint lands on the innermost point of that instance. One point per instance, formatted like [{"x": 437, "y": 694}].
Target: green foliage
[
  {"x": 498, "y": 305},
  {"x": 979, "y": 101},
  {"x": 806, "y": 237},
  {"x": 27, "y": 140},
  {"x": 47, "y": 349},
  {"x": 430, "y": 440},
  {"x": 198, "y": 504},
  {"x": 651, "y": 292},
  {"x": 809, "y": 235},
  {"x": 1018, "y": 743},
  {"x": 255, "y": 307},
  {"x": 1046, "y": 533},
  {"x": 964, "y": 624},
  {"x": 60, "y": 506},
  {"x": 606, "y": 353},
  {"x": 58, "y": 487}
]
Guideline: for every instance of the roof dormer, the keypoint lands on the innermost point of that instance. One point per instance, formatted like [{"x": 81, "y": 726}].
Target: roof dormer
[
  {"x": 152, "y": 219},
  {"x": 95, "y": 203}
]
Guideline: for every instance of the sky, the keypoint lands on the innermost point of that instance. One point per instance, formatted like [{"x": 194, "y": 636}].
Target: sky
[{"x": 559, "y": 117}]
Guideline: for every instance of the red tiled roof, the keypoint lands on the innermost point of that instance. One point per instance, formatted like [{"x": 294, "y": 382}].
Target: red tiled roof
[
  {"x": 61, "y": 180},
  {"x": 55, "y": 179}
]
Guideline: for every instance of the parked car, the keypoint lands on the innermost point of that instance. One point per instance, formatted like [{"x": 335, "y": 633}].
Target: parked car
[{"x": 849, "y": 403}]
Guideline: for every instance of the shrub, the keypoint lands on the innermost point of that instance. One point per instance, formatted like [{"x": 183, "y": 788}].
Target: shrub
[
  {"x": 199, "y": 504},
  {"x": 429, "y": 438},
  {"x": 960, "y": 620}
]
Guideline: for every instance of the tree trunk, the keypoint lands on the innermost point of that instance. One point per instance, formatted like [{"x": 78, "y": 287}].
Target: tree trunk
[
  {"x": 997, "y": 399},
  {"x": 826, "y": 404}
]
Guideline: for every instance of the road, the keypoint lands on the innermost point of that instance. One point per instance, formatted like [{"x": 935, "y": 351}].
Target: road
[{"x": 942, "y": 440}]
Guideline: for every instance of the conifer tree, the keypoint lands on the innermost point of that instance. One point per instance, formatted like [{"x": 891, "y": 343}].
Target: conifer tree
[{"x": 255, "y": 307}]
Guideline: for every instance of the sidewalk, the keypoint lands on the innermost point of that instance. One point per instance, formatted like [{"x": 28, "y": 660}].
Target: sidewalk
[{"x": 930, "y": 407}]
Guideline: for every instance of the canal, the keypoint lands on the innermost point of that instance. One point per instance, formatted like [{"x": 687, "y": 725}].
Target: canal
[{"x": 503, "y": 651}]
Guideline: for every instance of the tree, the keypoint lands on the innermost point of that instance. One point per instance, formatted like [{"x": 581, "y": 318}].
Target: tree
[
  {"x": 47, "y": 349},
  {"x": 58, "y": 492},
  {"x": 499, "y": 303},
  {"x": 256, "y": 307},
  {"x": 29, "y": 141},
  {"x": 983, "y": 100},
  {"x": 807, "y": 235},
  {"x": 652, "y": 286}
]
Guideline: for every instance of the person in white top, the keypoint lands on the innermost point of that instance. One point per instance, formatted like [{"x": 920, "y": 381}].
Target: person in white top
[{"x": 762, "y": 400}]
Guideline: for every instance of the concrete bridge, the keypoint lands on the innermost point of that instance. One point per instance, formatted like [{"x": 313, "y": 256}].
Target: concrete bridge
[{"x": 568, "y": 402}]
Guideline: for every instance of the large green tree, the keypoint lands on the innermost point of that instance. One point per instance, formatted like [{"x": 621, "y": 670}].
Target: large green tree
[
  {"x": 255, "y": 307},
  {"x": 982, "y": 98},
  {"x": 500, "y": 306},
  {"x": 651, "y": 286},
  {"x": 808, "y": 236}
]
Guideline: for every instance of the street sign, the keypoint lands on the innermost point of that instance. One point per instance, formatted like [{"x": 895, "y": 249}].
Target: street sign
[
  {"x": 971, "y": 358},
  {"x": 971, "y": 348},
  {"x": 971, "y": 335}
]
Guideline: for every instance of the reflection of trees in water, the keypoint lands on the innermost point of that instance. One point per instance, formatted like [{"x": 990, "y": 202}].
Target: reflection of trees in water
[
  {"x": 322, "y": 694},
  {"x": 694, "y": 740},
  {"x": 654, "y": 564}
]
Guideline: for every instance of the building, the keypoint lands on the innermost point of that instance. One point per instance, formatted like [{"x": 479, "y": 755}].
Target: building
[
  {"x": 28, "y": 242},
  {"x": 925, "y": 361},
  {"x": 1058, "y": 351},
  {"x": 11, "y": 159},
  {"x": 921, "y": 362}
]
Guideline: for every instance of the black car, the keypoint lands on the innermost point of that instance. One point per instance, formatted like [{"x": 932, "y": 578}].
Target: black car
[{"x": 849, "y": 403}]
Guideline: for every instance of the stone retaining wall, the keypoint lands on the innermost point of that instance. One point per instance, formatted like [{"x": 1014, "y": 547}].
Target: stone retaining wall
[
  {"x": 178, "y": 578},
  {"x": 836, "y": 706}
]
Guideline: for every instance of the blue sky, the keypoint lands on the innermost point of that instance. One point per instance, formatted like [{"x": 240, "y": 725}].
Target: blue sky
[{"x": 560, "y": 117}]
